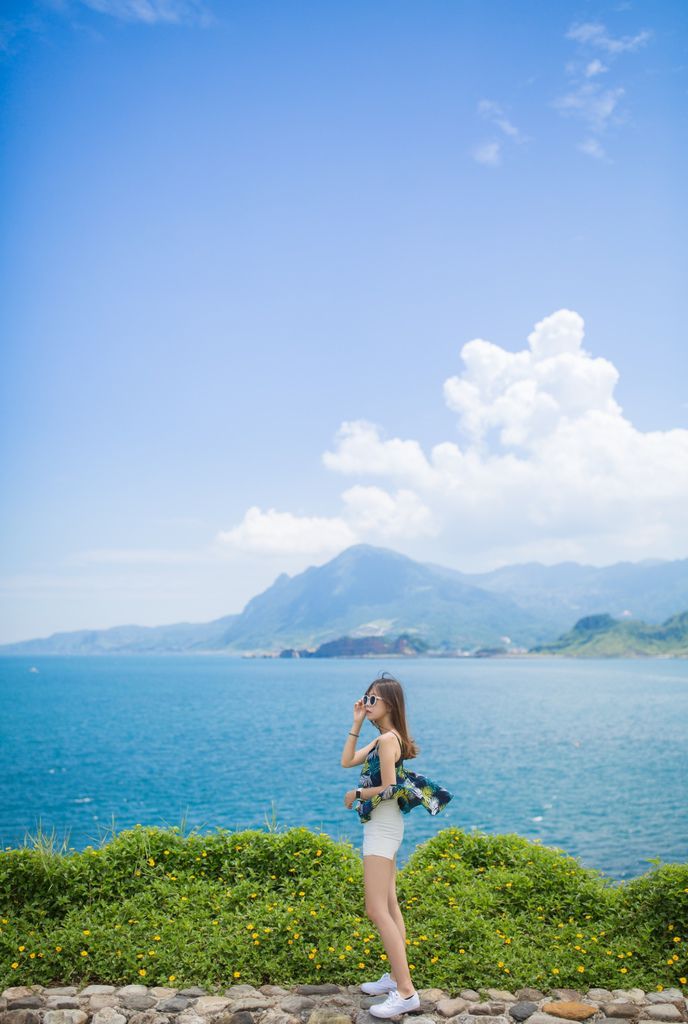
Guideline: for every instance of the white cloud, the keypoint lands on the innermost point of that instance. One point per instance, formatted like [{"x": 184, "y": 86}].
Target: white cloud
[
  {"x": 275, "y": 532},
  {"x": 548, "y": 466},
  {"x": 591, "y": 103},
  {"x": 153, "y": 12},
  {"x": 594, "y": 67},
  {"x": 494, "y": 113},
  {"x": 544, "y": 466},
  {"x": 489, "y": 153},
  {"x": 593, "y": 33},
  {"x": 597, "y": 107},
  {"x": 593, "y": 147}
]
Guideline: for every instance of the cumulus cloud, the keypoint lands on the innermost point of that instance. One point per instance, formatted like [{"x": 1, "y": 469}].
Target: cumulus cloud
[{"x": 544, "y": 465}]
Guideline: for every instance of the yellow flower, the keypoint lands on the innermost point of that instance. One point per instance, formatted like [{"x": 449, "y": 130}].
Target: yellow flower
[
  {"x": 86, "y": 931},
  {"x": 84, "y": 952},
  {"x": 142, "y": 972},
  {"x": 15, "y": 965},
  {"x": 555, "y": 970},
  {"x": 361, "y": 965},
  {"x": 580, "y": 969},
  {"x": 58, "y": 949},
  {"x": 682, "y": 980},
  {"x": 156, "y": 938},
  {"x": 623, "y": 970},
  {"x": 172, "y": 977},
  {"x": 32, "y": 956},
  {"x": 237, "y": 974}
]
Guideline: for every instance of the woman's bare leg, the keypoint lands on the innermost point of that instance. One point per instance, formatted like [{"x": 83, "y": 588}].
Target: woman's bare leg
[
  {"x": 377, "y": 873},
  {"x": 393, "y": 905}
]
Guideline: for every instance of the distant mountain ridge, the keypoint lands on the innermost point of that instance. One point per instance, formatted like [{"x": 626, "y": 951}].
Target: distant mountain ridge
[
  {"x": 371, "y": 591},
  {"x": 600, "y": 636}
]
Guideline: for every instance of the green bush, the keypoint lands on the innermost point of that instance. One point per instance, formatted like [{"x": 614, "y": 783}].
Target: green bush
[{"x": 287, "y": 908}]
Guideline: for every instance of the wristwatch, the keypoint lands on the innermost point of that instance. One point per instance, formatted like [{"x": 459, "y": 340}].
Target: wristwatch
[{"x": 358, "y": 794}]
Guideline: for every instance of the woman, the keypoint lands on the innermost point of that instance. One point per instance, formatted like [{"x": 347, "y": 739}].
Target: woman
[{"x": 385, "y": 792}]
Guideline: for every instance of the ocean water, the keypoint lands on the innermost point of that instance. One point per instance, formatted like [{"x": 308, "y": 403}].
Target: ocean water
[{"x": 591, "y": 757}]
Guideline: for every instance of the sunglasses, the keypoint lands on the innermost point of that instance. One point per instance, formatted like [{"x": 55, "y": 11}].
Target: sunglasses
[{"x": 370, "y": 699}]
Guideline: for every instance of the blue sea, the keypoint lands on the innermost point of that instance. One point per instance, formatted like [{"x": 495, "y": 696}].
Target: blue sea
[{"x": 590, "y": 757}]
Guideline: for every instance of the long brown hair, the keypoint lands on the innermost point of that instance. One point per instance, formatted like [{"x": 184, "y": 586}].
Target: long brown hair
[{"x": 391, "y": 691}]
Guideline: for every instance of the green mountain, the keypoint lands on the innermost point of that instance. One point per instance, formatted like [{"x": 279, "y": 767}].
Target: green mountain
[
  {"x": 374, "y": 592},
  {"x": 601, "y": 636},
  {"x": 368, "y": 591}
]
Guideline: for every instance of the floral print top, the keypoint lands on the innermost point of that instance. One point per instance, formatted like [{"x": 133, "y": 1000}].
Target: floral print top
[{"x": 410, "y": 789}]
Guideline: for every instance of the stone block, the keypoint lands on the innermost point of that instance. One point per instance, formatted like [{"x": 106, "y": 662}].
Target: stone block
[
  {"x": 296, "y": 1004},
  {"x": 174, "y": 1005},
  {"x": 210, "y": 1005},
  {"x": 108, "y": 1015},
  {"x": 100, "y": 1002},
  {"x": 523, "y": 1009},
  {"x": 98, "y": 990},
  {"x": 662, "y": 1011},
  {"x": 451, "y": 1007},
  {"x": 65, "y": 1017},
  {"x": 569, "y": 1009},
  {"x": 618, "y": 1008}
]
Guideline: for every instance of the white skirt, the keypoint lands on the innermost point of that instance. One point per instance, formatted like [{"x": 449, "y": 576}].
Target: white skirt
[{"x": 382, "y": 835}]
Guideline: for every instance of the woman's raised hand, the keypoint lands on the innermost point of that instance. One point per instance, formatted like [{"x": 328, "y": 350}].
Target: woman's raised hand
[{"x": 359, "y": 712}]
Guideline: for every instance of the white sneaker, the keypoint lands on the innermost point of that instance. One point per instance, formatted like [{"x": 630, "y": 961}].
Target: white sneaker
[
  {"x": 379, "y": 987},
  {"x": 395, "y": 1004}
]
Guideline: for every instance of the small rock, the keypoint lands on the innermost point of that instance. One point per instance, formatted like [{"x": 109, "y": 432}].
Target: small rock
[
  {"x": 569, "y": 1009},
  {"x": 546, "y": 1018},
  {"x": 470, "y": 995},
  {"x": 65, "y": 1017},
  {"x": 533, "y": 995},
  {"x": 316, "y": 990},
  {"x": 132, "y": 990},
  {"x": 190, "y": 1017},
  {"x": 497, "y": 1008},
  {"x": 192, "y": 993},
  {"x": 431, "y": 995},
  {"x": 245, "y": 1003},
  {"x": 296, "y": 1004},
  {"x": 66, "y": 990},
  {"x": 479, "y": 1010},
  {"x": 62, "y": 1003},
  {"x": 141, "y": 1002},
  {"x": 601, "y": 995},
  {"x": 238, "y": 1017},
  {"x": 451, "y": 1007},
  {"x": 670, "y": 994},
  {"x": 162, "y": 992},
  {"x": 210, "y": 1005},
  {"x": 108, "y": 1015},
  {"x": 174, "y": 1005},
  {"x": 275, "y": 1016},
  {"x": 241, "y": 990},
  {"x": 501, "y": 995},
  {"x": 634, "y": 995},
  {"x": 22, "y": 1016},
  {"x": 619, "y": 1008},
  {"x": 100, "y": 1002},
  {"x": 663, "y": 1011},
  {"x": 273, "y": 990},
  {"x": 32, "y": 1002},
  {"x": 493, "y": 1019},
  {"x": 523, "y": 1009},
  {"x": 17, "y": 992},
  {"x": 326, "y": 1015},
  {"x": 148, "y": 1017},
  {"x": 98, "y": 990},
  {"x": 566, "y": 994}
]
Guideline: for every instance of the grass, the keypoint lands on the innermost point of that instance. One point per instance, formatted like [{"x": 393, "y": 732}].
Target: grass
[{"x": 158, "y": 906}]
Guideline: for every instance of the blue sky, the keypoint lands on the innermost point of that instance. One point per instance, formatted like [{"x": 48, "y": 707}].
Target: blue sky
[{"x": 241, "y": 236}]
